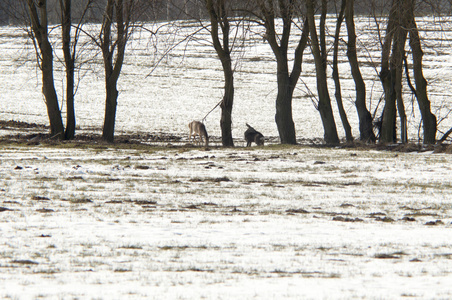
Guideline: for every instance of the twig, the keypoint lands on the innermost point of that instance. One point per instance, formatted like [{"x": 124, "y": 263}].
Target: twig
[
  {"x": 445, "y": 136},
  {"x": 203, "y": 119},
  {"x": 311, "y": 95}
]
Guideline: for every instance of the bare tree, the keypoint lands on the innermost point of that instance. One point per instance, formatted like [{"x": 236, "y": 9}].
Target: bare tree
[
  {"x": 40, "y": 33},
  {"x": 120, "y": 19},
  {"x": 337, "y": 83},
  {"x": 319, "y": 52},
  {"x": 388, "y": 75},
  {"x": 118, "y": 13},
  {"x": 365, "y": 118},
  {"x": 39, "y": 18},
  {"x": 69, "y": 46},
  {"x": 267, "y": 12},
  {"x": 401, "y": 22},
  {"x": 219, "y": 20},
  {"x": 428, "y": 118},
  {"x": 69, "y": 60}
]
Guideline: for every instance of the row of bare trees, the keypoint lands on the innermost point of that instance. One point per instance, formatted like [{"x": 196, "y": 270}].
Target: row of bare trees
[
  {"x": 117, "y": 26},
  {"x": 308, "y": 17},
  {"x": 302, "y": 15},
  {"x": 401, "y": 25}
]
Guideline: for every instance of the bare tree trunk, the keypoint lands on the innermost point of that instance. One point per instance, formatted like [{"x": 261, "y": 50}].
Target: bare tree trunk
[
  {"x": 398, "y": 90},
  {"x": 110, "y": 88},
  {"x": 387, "y": 77},
  {"x": 70, "y": 67},
  {"x": 218, "y": 16},
  {"x": 396, "y": 99},
  {"x": 398, "y": 55},
  {"x": 286, "y": 81},
  {"x": 338, "y": 93},
  {"x": 110, "y": 109},
  {"x": 401, "y": 19},
  {"x": 226, "y": 109},
  {"x": 365, "y": 118},
  {"x": 286, "y": 86},
  {"x": 283, "y": 116},
  {"x": 187, "y": 12},
  {"x": 428, "y": 118},
  {"x": 39, "y": 25},
  {"x": 115, "y": 10},
  {"x": 168, "y": 5},
  {"x": 326, "y": 112},
  {"x": 322, "y": 33}
]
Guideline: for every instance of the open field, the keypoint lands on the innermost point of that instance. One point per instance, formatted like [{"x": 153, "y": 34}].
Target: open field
[
  {"x": 160, "y": 219},
  {"x": 185, "y": 223}
]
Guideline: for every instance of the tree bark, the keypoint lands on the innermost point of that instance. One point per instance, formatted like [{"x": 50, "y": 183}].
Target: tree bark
[
  {"x": 401, "y": 22},
  {"x": 286, "y": 81},
  {"x": 398, "y": 89},
  {"x": 218, "y": 17},
  {"x": 110, "y": 110},
  {"x": 428, "y": 118},
  {"x": 387, "y": 77},
  {"x": 337, "y": 82},
  {"x": 70, "y": 67},
  {"x": 283, "y": 116},
  {"x": 326, "y": 112},
  {"x": 365, "y": 118},
  {"x": 226, "y": 109},
  {"x": 397, "y": 64},
  {"x": 115, "y": 10},
  {"x": 39, "y": 25}
]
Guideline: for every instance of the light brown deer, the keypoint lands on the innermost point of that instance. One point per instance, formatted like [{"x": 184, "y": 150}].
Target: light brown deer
[{"x": 198, "y": 129}]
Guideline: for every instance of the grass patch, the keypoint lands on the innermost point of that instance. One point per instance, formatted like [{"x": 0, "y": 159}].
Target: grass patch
[
  {"x": 133, "y": 247},
  {"x": 25, "y": 262},
  {"x": 80, "y": 201},
  {"x": 122, "y": 270}
]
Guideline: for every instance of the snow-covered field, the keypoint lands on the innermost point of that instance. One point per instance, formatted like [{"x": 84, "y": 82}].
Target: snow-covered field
[
  {"x": 275, "y": 223},
  {"x": 109, "y": 222}
]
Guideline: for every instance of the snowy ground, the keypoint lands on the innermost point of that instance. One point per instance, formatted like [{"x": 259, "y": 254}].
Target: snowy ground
[
  {"x": 185, "y": 223},
  {"x": 104, "y": 222}
]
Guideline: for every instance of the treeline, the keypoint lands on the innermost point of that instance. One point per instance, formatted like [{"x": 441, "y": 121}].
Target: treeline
[
  {"x": 161, "y": 10},
  {"x": 282, "y": 21}
]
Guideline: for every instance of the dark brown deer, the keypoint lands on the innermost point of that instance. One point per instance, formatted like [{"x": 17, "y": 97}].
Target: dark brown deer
[{"x": 252, "y": 135}]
